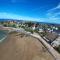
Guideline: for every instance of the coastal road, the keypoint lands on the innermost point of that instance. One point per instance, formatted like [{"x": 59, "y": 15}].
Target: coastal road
[{"x": 55, "y": 54}]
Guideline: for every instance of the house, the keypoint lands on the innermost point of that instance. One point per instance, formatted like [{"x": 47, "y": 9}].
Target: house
[
  {"x": 56, "y": 43},
  {"x": 51, "y": 36},
  {"x": 57, "y": 31},
  {"x": 34, "y": 26},
  {"x": 40, "y": 30}
]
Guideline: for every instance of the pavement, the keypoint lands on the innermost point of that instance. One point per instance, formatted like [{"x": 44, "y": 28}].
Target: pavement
[{"x": 55, "y": 54}]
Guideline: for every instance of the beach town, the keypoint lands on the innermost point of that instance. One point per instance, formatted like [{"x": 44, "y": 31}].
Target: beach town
[
  {"x": 29, "y": 29},
  {"x": 29, "y": 40}
]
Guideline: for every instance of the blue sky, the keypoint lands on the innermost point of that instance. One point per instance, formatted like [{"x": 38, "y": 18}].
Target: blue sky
[{"x": 36, "y": 10}]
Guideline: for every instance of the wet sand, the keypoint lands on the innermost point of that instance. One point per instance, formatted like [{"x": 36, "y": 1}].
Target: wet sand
[{"x": 16, "y": 47}]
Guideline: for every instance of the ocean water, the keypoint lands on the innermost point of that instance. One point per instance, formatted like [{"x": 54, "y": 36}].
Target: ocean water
[{"x": 3, "y": 34}]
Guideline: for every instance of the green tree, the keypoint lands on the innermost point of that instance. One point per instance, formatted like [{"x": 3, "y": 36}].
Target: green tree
[
  {"x": 12, "y": 25},
  {"x": 58, "y": 28},
  {"x": 29, "y": 24},
  {"x": 5, "y": 25}
]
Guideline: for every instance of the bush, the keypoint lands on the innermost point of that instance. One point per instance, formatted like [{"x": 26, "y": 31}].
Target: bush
[
  {"x": 58, "y": 28},
  {"x": 22, "y": 27},
  {"x": 19, "y": 26},
  {"x": 5, "y": 25},
  {"x": 58, "y": 48},
  {"x": 36, "y": 31},
  {"x": 42, "y": 34},
  {"x": 30, "y": 30},
  {"x": 14, "y": 25}
]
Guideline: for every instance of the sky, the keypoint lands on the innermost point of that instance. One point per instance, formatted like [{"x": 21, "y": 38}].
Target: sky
[{"x": 32, "y": 10}]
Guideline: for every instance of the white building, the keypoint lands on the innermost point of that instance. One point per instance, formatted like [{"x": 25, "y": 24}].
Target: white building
[
  {"x": 40, "y": 30},
  {"x": 56, "y": 43},
  {"x": 33, "y": 27}
]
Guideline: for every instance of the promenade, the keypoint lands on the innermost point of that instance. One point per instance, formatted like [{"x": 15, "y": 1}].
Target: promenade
[{"x": 54, "y": 53}]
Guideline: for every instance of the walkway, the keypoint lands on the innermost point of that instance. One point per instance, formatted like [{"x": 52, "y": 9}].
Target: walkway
[{"x": 49, "y": 48}]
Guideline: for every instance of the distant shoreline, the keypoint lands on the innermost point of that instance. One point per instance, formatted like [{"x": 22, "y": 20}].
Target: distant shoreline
[{"x": 17, "y": 20}]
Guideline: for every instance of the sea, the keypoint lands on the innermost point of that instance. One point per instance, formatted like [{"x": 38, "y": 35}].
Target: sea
[{"x": 3, "y": 35}]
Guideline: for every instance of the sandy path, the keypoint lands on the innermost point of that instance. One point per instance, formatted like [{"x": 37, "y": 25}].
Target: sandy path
[{"x": 25, "y": 48}]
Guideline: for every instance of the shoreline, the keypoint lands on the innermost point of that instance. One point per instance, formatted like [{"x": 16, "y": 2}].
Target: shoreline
[{"x": 1, "y": 40}]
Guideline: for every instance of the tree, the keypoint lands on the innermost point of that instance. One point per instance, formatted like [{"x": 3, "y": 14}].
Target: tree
[
  {"x": 5, "y": 25},
  {"x": 57, "y": 48},
  {"x": 14, "y": 25},
  {"x": 29, "y": 24},
  {"x": 58, "y": 28}
]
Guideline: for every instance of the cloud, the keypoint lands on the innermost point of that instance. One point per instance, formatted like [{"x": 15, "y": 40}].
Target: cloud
[
  {"x": 8, "y": 15},
  {"x": 53, "y": 9},
  {"x": 5, "y": 15},
  {"x": 58, "y": 6},
  {"x": 54, "y": 14}
]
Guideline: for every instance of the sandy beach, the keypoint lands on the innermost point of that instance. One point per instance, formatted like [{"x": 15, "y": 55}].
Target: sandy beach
[{"x": 17, "y": 47}]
